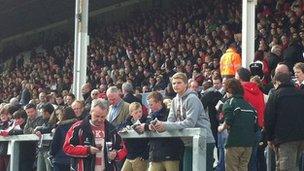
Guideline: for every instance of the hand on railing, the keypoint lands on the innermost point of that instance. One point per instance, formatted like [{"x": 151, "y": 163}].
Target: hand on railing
[{"x": 4, "y": 133}]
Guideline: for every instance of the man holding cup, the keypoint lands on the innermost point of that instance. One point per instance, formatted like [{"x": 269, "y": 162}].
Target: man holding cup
[{"x": 86, "y": 141}]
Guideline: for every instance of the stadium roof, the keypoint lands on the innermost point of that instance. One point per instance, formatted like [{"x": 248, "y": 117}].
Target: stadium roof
[{"x": 18, "y": 16}]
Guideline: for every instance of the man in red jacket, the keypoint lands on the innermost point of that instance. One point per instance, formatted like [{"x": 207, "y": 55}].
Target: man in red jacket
[
  {"x": 93, "y": 142},
  {"x": 255, "y": 97}
]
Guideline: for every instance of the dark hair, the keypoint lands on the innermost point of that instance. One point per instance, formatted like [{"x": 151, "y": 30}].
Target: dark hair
[
  {"x": 284, "y": 78},
  {"x": 48, "y": 107},
  {"x": 68, "y": 113},
  {"x": 244, "y": 74},
  {"x": 158, "y": 97},
  {"x": 30, "y": 105},
  {"x": 20, "y": 114},
  {"x": 234, "y": 86},
  {"x": 71, "y": 95}
]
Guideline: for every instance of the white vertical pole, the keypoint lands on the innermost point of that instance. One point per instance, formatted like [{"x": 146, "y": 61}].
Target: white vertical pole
[
  {"x": 248, "y": 31},
  {"x": 80, "y": 46}
]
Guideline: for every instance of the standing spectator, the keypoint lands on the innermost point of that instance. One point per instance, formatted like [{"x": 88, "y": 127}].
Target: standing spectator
[
  {"x": 43, "y": 146},
  {"x": 86, "y": 94},
  {"x": 164, "y": 153},
  {"x": 293, "y": 53},
  {"x": 299, "y": 74},
  {"x": 87, "y": 141},
  {"x": 284, "y": 134},
  {"x": 187, "y": 111},
  {"x": 69, "y": 99},
  {"x": 255, "y": 97},
  {"x": 137, "y": 157},
  {"x": 230, "y": 62},
  {"x": 61, "y": 161},
  {"x": 119, "y": 109},
  {"x": 5, "y": 122},
  {"x": 127, "y": 91},
  {"x": 240, "y": 121},
  {"x": 32, "y": 122},
  {"x": 78, "y": 107}
]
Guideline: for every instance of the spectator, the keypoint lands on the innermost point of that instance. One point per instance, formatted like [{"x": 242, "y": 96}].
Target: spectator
[
  {"x": 164, "y": 153},
  {"x": 79, "y": 110},
  {"x": 299, "y": 74},
  {"x": 187, "y": 111},
  {"x": 69, "y": 99},
  {"x": 119, "y": 109},
  {"x": 60, "y": 160},
  {"x": 33, "y": 121},
  {"x": 240, "y": 121},
  {"x": 99, "y": 132},
  {"x": 288, "y": 140},
  {"x": 43, "y": 146},
  {"x": 230, "y": 62},
  {"x": 137, "y": 158},
  {"x": 127, "y": 91}
]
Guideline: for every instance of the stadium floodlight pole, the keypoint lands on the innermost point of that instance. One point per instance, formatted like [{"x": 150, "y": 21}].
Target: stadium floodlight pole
[
  {"x": 248, "y": 31},
  {"x": 81, "y": 42}
]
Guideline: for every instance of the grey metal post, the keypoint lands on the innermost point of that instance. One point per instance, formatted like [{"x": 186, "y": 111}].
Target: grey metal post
[
  {"x": 199, "y": 153},
  {"x": 80, "y": 46},
  {"x": 248, "y": 31},
  {"x": 14, "y": 160}
]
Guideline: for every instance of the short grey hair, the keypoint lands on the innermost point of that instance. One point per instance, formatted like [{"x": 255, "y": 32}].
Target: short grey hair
[
  {"x": 102, "y": 103},
  {"x": 127, "y": 87},
  {"x": 112, "y": 89}
]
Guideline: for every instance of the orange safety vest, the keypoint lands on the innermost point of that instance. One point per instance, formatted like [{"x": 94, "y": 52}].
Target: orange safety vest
[{"x": 230, "y": 62}]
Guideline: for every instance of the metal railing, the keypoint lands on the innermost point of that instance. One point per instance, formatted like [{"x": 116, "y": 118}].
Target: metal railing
[{"x": 196, "y": 135}]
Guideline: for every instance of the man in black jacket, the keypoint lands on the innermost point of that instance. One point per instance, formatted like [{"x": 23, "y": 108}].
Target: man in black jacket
[
  {"x": 284, "y": 122},
  {"x": 164, "y": 153}
]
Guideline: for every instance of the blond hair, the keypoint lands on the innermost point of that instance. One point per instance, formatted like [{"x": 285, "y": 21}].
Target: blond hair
[
  {"x": 180, "y": 75},
  {"x": 134, "y": 106}
]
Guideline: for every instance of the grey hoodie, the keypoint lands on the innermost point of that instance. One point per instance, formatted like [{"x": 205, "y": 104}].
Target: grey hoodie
[{"x": 187, "y": 111}]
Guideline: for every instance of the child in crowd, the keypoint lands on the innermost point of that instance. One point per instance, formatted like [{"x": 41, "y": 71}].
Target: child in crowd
[{"x": 137, "y": 148}]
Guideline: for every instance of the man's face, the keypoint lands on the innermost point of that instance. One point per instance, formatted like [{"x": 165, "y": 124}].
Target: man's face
[
  {"x": 69, "y": 100},
  {"x": 31, "y": 113},
  {"x": 113, "y": 98},
  {"x": 78, "y": 109},
  {"x": 153, "y": 105},
  {"x": 59, "y": 100},
  {"x": 98, "y": 115},
  {"x": 179, "y": 86},
  {"x": 217, "y": 84},
  {"x": 46, "y": 115}
]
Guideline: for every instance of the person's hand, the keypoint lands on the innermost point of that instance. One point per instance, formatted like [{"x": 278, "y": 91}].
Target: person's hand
[
  {"x": 271, "y": 145},
  {"x": 159, "y": 126},
  {"x": 112, "y": 154},
  {"x": 140, "y": 128},
  {"x": 4, "y": 133},
  {"x": 94, "y": 150},
  {"x": 220, "y": 128},
  {"x": 151, "y": 127},
  {"x": 38, "y": 133}
]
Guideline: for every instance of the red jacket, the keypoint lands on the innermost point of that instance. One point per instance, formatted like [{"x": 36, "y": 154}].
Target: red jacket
[
  {"x": 254, "y": 96},
  {"x": 77, "y": 144}
]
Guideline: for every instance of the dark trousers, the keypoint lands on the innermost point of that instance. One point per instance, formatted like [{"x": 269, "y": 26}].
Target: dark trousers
[{"x": 61, "y": 167}]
